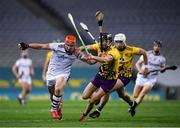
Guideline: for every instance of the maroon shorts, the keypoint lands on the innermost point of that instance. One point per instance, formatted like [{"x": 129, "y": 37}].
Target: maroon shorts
[
  {"x": 124, "y": 80},
  {"x": 104, "y": 83}
]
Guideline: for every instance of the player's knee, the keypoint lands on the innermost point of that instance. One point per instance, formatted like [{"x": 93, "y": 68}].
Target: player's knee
[
  {"x": 92, "y": 101},
  {"x": 85, "y": 97},
  {"x": 121, "y": 95},
  {"x": 28, "y": 91},
  {"x": 57, "y": 90},
  {"x": 135, "y": 95}
]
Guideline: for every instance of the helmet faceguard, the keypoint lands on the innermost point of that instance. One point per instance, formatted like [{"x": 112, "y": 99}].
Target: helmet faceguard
[
  {"x": 107, "y": 41},
  {"x": 120, "y": 40}
]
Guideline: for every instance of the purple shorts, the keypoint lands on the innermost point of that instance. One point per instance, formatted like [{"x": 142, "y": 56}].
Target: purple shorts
[
  {"x": 125, "y": 80},
  {"x": 104, "y": 83}
]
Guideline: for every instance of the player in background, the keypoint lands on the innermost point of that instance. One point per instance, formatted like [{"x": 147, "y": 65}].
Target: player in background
[
  {"x": 46, "y": 64},
  {"x": 125, "y": 70},
  {"x": 23, "y": 71},
  {"x": 144, "y": 84},
  {"x": 105, "y": 80},
  {"x": 64, "y": 54}
]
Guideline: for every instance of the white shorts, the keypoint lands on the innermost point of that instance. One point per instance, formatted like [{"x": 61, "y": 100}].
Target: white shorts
[
  {"x": 52, "y": 81},
  {"x": 145, "y": 81},
  {"x": 26, "y": 79}
]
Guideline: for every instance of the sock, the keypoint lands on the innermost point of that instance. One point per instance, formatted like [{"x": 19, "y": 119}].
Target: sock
[
  {"x": 84, "y": 114},
  {"x": 55, "y": 102},
  {"x": 134, "y": 104},
  {"x": 130, "y": 103},
  {"x": 100, "y": 107},
  {"x": 20, "y": 96}
]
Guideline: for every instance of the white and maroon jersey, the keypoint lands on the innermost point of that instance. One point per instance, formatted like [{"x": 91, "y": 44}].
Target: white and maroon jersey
[
  {"x": 154, "y": 62},
  {"x": 23, "y": 65},
  {"x": 60, "y": 63}
]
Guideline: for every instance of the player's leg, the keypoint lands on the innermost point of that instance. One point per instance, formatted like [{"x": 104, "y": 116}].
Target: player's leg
[
  {"x": 97, "y": 96},
  {"x": 51, "y": 91},
  {"x": 26, "y": 88},
  {"x": 144, "y": 91},
  {"x": 104, "y": 100},
  {"x": 57, "y": 97},
  {"x": 139, "y": 99},
  {"x": 21, "y": 94},
  {"x": 97, "y": 112},
  {"x": 146, "y": 87},
  {"x": 122, "y": 82},
  {"x": 124, "y": 95},
  {"x": 137, "y": 90},
  {"x": 119, "y": 84},
  {"x": 89, "y": 90}
]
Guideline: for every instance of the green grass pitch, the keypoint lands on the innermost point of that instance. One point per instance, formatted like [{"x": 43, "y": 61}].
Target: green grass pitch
[{"x": 36, "y": 114}]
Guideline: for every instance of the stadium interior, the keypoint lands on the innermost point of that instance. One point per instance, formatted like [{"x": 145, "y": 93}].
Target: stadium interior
[{"x": 46, "y": 21}]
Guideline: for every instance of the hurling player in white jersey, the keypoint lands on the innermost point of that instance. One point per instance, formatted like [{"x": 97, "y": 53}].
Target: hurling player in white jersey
[
  {"x": 64, "y": 54},
  {"x": 144, "y": 84},
  {"x": 23, "y": 71}
]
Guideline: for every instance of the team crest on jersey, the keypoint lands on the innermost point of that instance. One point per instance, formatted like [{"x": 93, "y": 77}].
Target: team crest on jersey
[
  {"x": 60, "y": 45},
  {"x": 121, "y": 59}
]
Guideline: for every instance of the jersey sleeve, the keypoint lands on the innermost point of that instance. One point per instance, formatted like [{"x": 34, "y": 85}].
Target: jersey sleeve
[
  {"x": 163, "y": 63},
  {"x": 53, "y": 46},
  {"x": 136, "y": 50},
  {"x": 141, "y": 58},
  {"x": 17, "y": 63},
  {"x": 95, "y": 46}
]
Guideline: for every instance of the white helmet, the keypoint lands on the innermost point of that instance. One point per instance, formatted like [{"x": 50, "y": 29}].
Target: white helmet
[{"x": 120, "y": 37}]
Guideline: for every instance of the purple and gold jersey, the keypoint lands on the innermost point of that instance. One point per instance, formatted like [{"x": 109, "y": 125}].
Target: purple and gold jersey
[
  {"x": 109, "y": 70},
  {"x": 126, "y": 59}
]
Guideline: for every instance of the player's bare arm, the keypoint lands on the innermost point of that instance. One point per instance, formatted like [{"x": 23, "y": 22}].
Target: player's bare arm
[
  {"x": 45, "y": 69},
  {"x": 143, "y": 52},
  {"x": 14, "y": 70},
  {"x": 103, "y": 59},
  {"x": 162, "y": 69},
  {"x": 39, "y": 46},
  {"x": 24, "y": 46},
  {"x": 32, "y": 71},
  {"x": 138, "y": 66}
]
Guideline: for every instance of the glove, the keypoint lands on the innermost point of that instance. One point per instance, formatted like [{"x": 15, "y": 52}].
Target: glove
[{"x": 23, "y": 46}]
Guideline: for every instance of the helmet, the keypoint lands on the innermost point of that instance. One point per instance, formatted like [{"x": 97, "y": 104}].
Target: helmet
[
  {"x": 70, "y": 39},
  {"x": 107, "y": 36},
  {"x": 120, "y": 37},
  {"x": 158, "y": 42}
]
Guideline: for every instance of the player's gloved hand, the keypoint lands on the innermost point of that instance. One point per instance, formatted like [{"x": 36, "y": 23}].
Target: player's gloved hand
[{"x": 23, "y": 46}]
